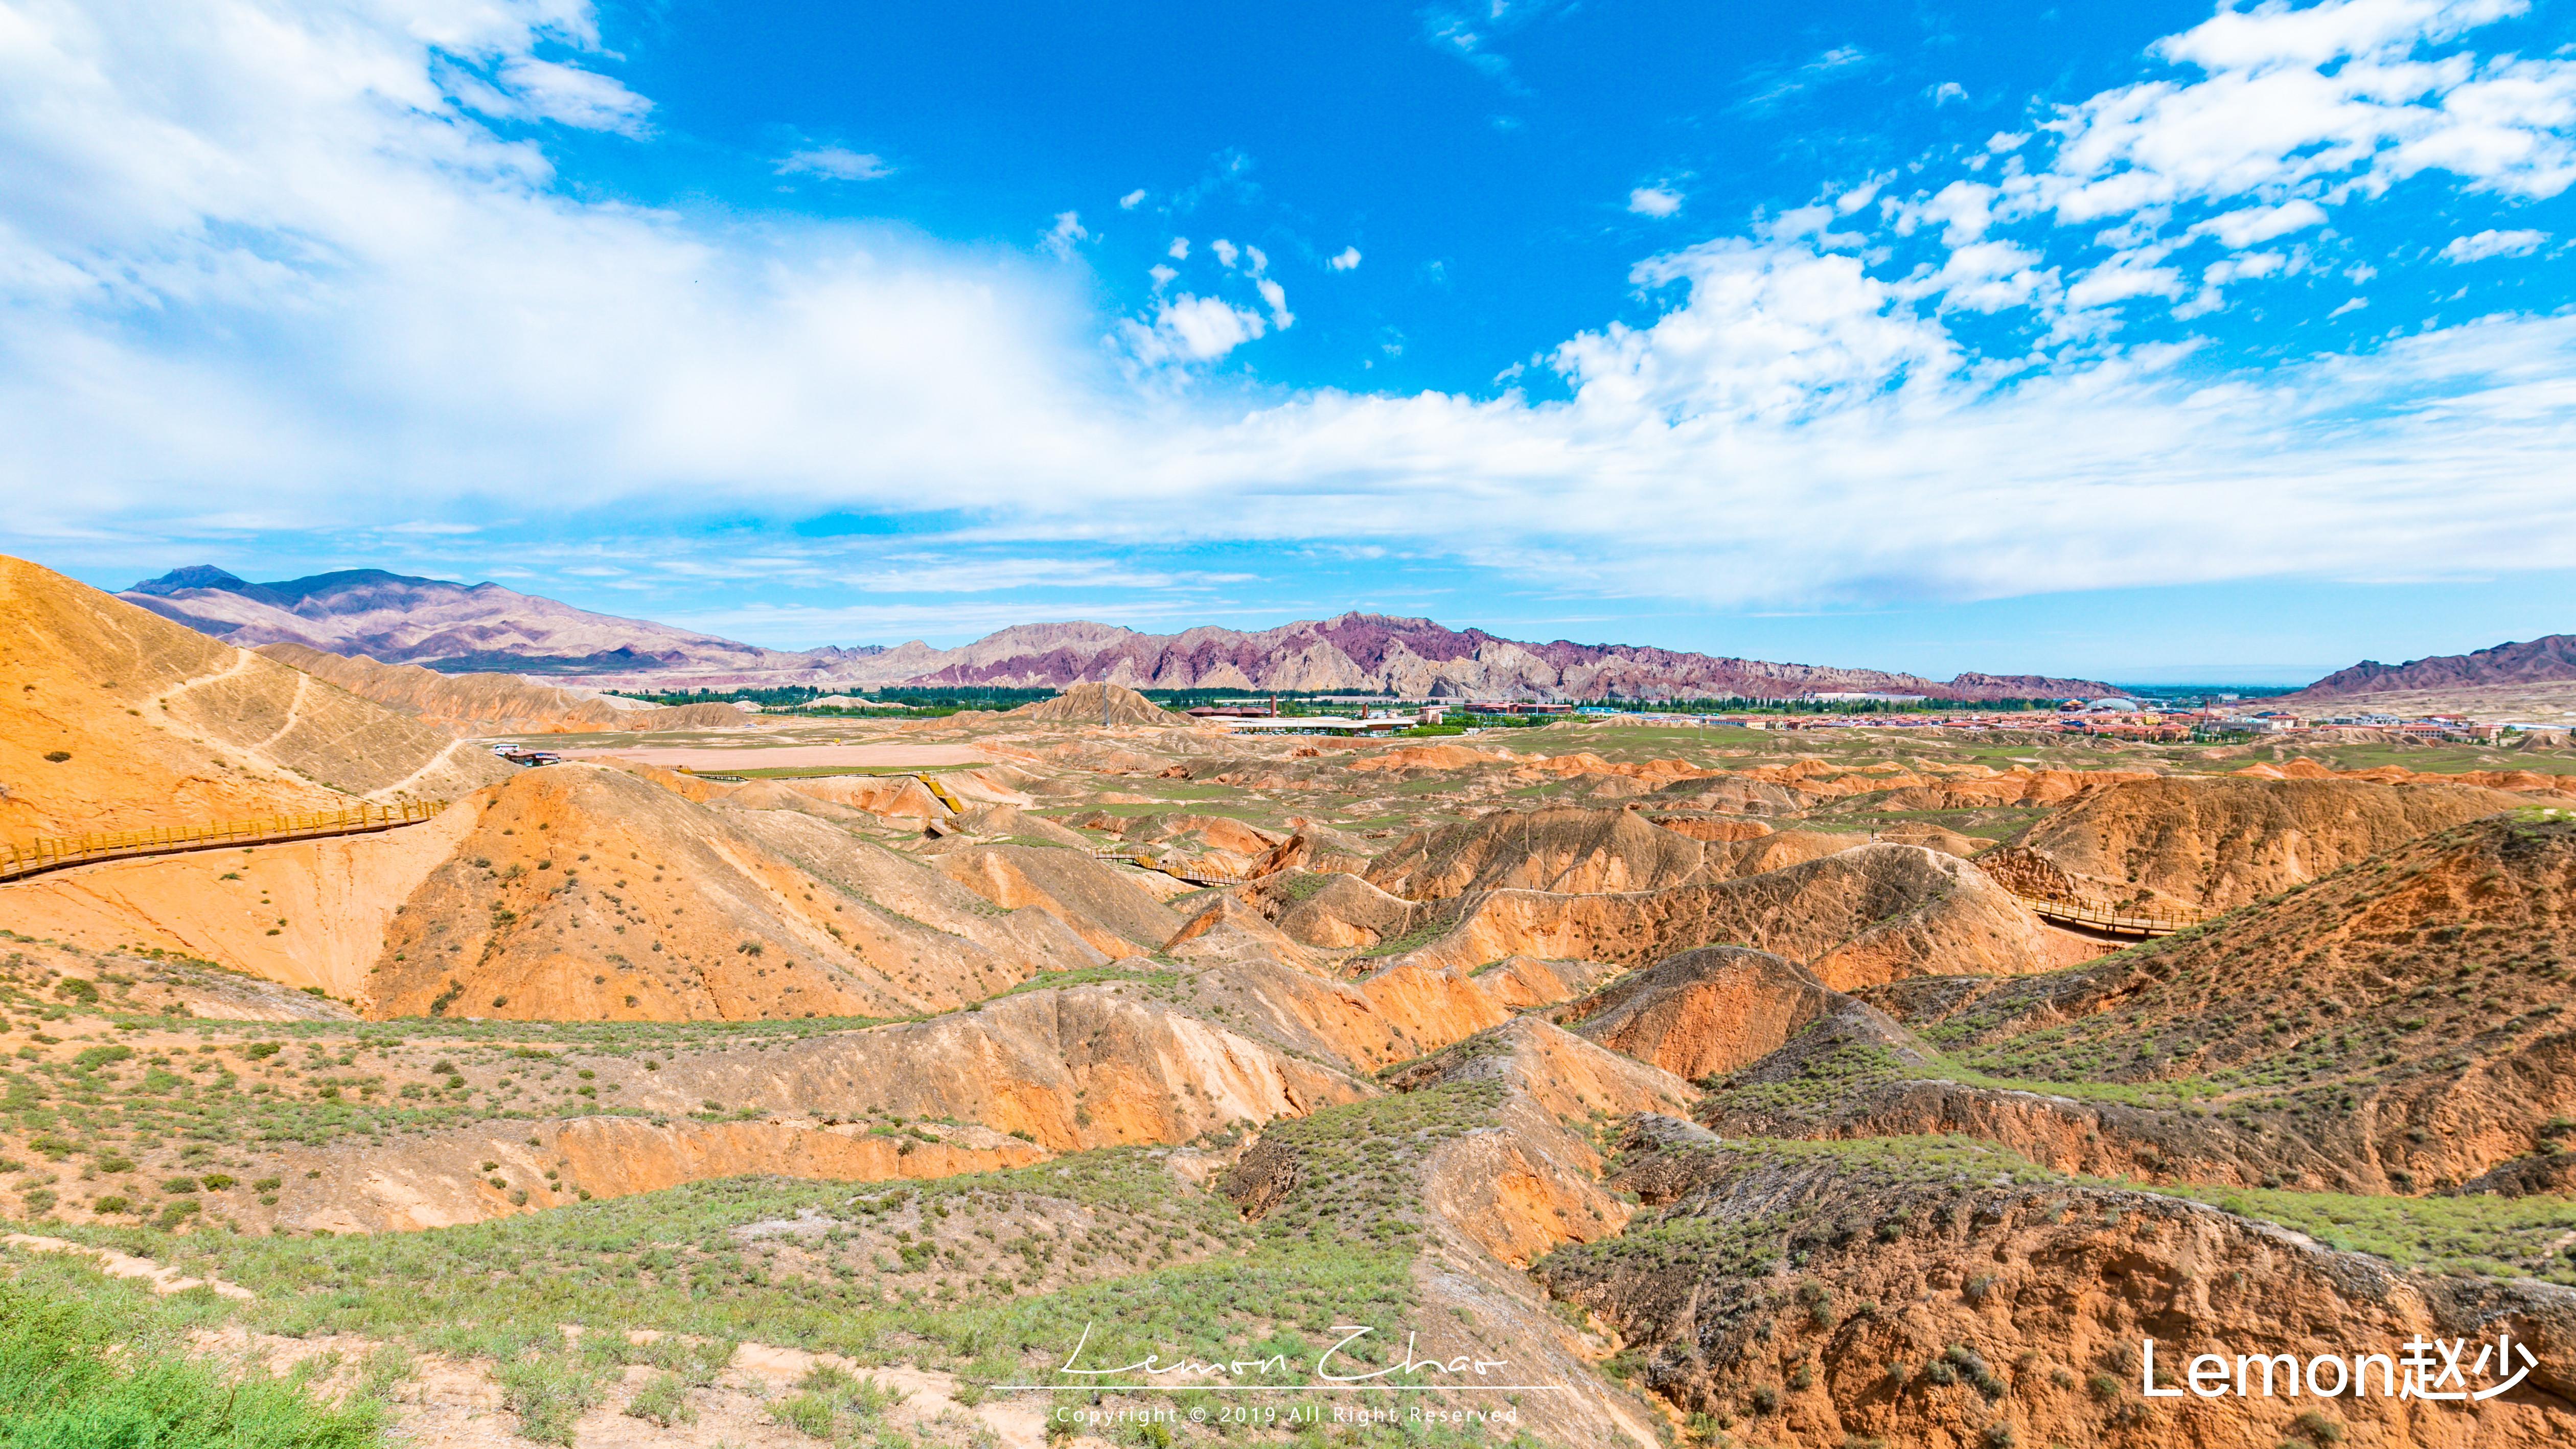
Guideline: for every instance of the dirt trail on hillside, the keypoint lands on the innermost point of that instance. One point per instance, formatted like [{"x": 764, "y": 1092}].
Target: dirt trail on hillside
[{"x": 158, "y": 725}]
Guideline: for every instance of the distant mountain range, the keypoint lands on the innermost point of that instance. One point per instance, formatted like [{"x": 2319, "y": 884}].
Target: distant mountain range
[
  {"x": 455, "y": 627},
  {"x": 2546, "y": 660}
]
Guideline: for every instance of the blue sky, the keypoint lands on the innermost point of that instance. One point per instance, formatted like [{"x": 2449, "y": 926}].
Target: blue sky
[{"x": 2150, "y": 342}]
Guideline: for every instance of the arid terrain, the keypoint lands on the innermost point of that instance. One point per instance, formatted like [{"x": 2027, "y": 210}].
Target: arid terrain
[{"x": 878, "y": 1082}]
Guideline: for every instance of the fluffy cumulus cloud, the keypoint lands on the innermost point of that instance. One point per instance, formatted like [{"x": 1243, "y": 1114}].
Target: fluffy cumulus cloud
[
  {"x": 2479, "y": 246},
  {"x": 282, "y": 269},
  {"x": 1658, "y": 201},
  {"x": 1345, "y": 260},
  {"x": 1190, "y": 329}
]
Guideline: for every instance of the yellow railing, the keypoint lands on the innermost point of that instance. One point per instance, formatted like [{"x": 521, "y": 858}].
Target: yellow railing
[
  {"x": 940, "y": 793},
  {"x": 2103, "y": 918},
  {"x": 30, "y": 857}
]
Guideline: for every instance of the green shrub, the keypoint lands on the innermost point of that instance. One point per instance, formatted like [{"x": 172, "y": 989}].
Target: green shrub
[
  {"x": 829, "y": 1396},
  {"x": 92, "y": 1371},
  {"x": 549, "y": 1394},
  {"x": 664, "y": 1400},
  {"x": 808, "y": 1414}
]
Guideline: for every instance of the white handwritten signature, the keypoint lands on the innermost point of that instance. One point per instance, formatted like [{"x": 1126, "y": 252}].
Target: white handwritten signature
[{"x": 1277, "y": 1363}]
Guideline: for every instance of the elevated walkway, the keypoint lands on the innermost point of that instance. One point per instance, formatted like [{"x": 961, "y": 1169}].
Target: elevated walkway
[
  {"x": 1177, "y": 867},
  {"x": 20, "y": 859},
  {"x": 2085, "y": 916}
]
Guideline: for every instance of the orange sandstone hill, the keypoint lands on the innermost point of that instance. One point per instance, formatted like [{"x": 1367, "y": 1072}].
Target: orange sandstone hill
[
  {"x": 2217, "y": 843},
  {"x": 585, "y": 893},
  {"x": 501, "y": 704},
  {"x": 1111, "y": 704},
  {"x": 113, "y": 719}
]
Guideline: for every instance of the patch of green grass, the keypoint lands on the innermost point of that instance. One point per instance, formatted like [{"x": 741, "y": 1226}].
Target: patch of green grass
[
  {"x": 663, "y": 1400},
  {"x": 549, "y": 1392},
  {"x": 1086, "y": 976},
  {"x": 2480, "y": 1235},
  {"x": 86, "y": 1363}
]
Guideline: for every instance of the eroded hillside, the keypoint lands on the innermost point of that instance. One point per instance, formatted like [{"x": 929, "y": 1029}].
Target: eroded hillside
[
  {"x": 115, "y": 719},
  {"x": 1732, "y": 1087}
]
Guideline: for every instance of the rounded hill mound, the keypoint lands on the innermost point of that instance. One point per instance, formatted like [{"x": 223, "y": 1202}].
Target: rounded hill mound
[
  {"x": 114, "y": 718},
  {"x": 1098, "y": 704}
]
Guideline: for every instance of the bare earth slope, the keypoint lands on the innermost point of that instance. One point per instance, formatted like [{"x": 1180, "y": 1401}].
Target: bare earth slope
[
  {"x": 160, "y": 725},
  {"x": 1099, "y": 704},
  {"x": 2396, "y": 1026},
  {"x": 1940, "y": 1294},
  {"x": 2220, "y": 842},
  {"x": 491, "y": 703},
  {"x": 1870, "y": 914},
  {"x": 587, "y": 894}
]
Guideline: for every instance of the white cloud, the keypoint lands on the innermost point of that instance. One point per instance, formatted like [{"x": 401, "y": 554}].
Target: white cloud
[
  {"x": 1067, "y": 234},
  {"x": 1276, "y": 297},
  {"x": 1965, "y": 210},
  {"x": 1654, "y": 201},
  {"x": 1163, "y": 276},
  {"x": 1767, "y": 332},
  {"x": 2333, "y": 95},
  {"x": 1225, "y": 251},
  {"x": 1344, "y": 260},
  {"x": 1946, "y": 92},
  {"x": 2485, "y": 244},
  {"x": 1190, "y": 329},
  {"x": 569, "y": 95},
  {"x": 1179, "y": 250},
  {"x": 1861, "y": 195},
  {"x": 838, "y": 163},
  {"x": 2135, "y": 273},
  {"x": 2253, "y": 224},
  {"x": 2350, "y": 304},
  {"x": 1132, "y": 200},
  {"x": 311, "y": 293},
  {"x": 1991, "y": 276},
  {"x": 2243, "y": 264}
]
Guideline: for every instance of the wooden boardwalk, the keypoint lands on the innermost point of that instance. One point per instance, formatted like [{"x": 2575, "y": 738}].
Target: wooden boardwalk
[
  {"x": 1177, "y": 867},
  {"x": 20, "y": 859},
  {"x": 2085, "y": 915}
]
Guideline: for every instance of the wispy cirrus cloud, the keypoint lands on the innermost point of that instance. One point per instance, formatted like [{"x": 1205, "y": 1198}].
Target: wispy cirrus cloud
[{"x": 833, "y": 163}]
